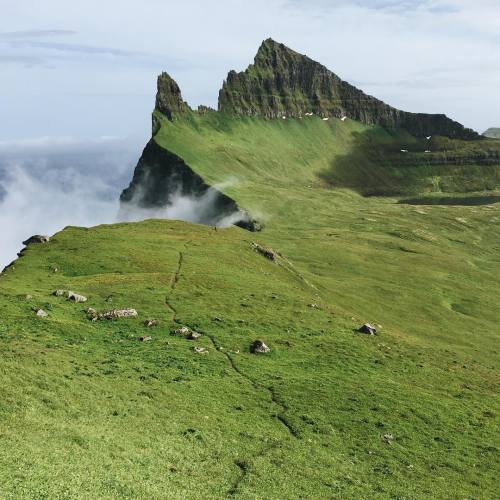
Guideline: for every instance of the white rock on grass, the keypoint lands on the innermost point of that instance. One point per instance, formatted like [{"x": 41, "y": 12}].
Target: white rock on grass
[
  {"x": 93, "y": 315},
  {"x": 258, "y": 347},
  {"x": 75, "y": 297}
]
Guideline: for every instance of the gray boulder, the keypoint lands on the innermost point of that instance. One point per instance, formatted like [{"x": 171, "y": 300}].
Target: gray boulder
[
  {"x": 75, "y": 297},
  {"x": 41, "y": 313},
  {"x": 259, "y": 347},
  {"x": 36, "y": 238},
  {"x": 368, "y": 329},
  {"x": 93, "y": 315}
]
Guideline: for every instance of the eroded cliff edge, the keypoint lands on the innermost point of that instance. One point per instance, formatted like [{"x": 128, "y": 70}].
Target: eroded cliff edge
[
  {"x": 162, "y": 179},
  {"x": 282, "y": 82}
]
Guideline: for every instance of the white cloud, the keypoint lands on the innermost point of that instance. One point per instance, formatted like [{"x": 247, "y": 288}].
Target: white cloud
[
  {"x": 48, "y": 183},
  {"x": 118, "y": 48}
]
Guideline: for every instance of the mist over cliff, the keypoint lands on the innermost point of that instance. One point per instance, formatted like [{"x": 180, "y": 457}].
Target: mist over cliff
[{"x": 49, "y": 183}]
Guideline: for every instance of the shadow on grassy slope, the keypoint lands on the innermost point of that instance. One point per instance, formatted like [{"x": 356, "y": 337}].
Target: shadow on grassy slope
[
  {"x": 467, "y": 201},
  {"x": 382, "y": 163}
]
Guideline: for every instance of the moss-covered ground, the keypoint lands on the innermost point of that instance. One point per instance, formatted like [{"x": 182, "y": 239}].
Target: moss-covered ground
[{"x": 87, "y": 410}]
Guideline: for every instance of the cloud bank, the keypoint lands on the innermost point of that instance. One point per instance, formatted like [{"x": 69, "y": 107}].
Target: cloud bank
[
  {"x": 47, "y": 184},
  {"x": 106, "y": 77}
]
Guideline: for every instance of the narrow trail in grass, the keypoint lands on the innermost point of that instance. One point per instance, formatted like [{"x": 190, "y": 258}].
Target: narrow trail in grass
[
  {"x": 256, "y": 385},
  {"x": 173, "y": 283},
  {"x": 242, "y": 465}
]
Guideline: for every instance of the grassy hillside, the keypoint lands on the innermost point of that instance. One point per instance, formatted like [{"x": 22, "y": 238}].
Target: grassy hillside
[
  {"x": 89, "y": 411},
  {"x": 297, "y": 152}
]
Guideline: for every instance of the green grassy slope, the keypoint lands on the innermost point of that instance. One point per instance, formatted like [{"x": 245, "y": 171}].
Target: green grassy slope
[
  {"x": 87, "y": 410},
  {"x": 295, "y": 152}
]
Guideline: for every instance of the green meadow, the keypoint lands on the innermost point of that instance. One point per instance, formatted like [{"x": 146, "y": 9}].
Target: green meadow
[{"x": 88, "y": 410}]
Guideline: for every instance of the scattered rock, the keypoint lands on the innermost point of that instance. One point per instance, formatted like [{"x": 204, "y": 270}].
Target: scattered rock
[
  {"x": 183, "y": 330},
  {"x": 388, "y": 438},
  {"x": 200, "y": 350},
  {"x": 268, "y": 253},
  {"x": 37, "y": 238},
  {"x": 150, "y": 322},
  {"x": 145, "y": 339},
  {"x": 28, "y": 296},
  {"x": 92, "y": 314},
  {"x": 75, "y": 297},
  {"x": 313, "y": 306},
  {"x": 112, "y": 314},
  {"x": 41, "y": 313},
  {"x": 258, "y": 347},
  {"x": 368, "y": 329},
  {"x": 217, "y": 319}
]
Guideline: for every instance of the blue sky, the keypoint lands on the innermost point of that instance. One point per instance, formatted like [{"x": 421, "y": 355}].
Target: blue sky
[{"x": 88, "y": 69}]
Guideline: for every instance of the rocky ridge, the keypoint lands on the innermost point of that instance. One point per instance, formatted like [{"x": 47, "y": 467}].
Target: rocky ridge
[{"x": 282, "y": 82}]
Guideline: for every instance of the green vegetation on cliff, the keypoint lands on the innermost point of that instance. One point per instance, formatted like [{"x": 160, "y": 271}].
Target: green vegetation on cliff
[
  {"x": 88, "y": 410},
  {"x": 297, "y": 153},
  {"x": 282, "y": 82}
]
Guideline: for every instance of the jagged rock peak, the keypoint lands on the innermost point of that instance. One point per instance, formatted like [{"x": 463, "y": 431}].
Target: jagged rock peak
[
  {"x": 168, "y": 97},
  {"x": 282, "y": 82}
]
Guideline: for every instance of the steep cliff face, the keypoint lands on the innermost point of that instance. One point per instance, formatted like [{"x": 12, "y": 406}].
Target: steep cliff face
[
  {"x": 168, "y": 97},
  {"x": 162, "y": 180},
  {"x": 282, "y": 82}
]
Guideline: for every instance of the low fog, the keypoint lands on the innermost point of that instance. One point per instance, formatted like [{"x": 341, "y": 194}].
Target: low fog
[
  {"x": 47, "y": 184},
  {"x": 201, "y": 209}
]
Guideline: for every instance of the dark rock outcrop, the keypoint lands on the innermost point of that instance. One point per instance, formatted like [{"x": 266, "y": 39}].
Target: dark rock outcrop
[
  {"x": 282, "y": 82},
  {"x": 259, "y": 347},
  {"x": 169, "y": 100},
  {"x": 37, "y": 238},
  {"x": 161, "y": 177}
]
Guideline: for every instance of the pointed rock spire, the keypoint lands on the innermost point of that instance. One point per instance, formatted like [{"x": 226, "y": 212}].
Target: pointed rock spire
[
  {"x": 168, "y": 97},
  {"x": 282, "y": 82}
]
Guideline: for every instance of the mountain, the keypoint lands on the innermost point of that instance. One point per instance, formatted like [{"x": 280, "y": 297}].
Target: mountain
[
  {"x": 282, "y": 82},
  {"x": 492, "y": 133},
  {"x": 173, "y": 402},
  {"x": 365, "y": 144}
]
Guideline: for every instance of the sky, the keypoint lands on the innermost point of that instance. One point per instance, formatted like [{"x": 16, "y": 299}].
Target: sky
[
  {"x": 88, "y": 69},
  {"x": 78, "y": 81}
]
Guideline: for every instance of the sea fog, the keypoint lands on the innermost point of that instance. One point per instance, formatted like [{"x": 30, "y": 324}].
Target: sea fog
[{"x": 49, "y": 183}]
